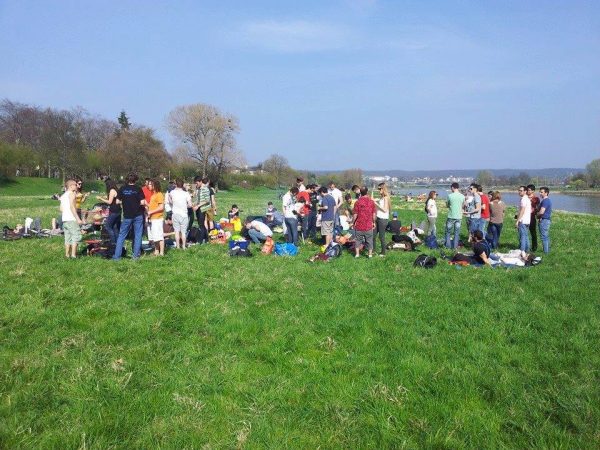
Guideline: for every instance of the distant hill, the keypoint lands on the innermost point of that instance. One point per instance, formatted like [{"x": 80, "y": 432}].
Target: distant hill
[{"x": 554, "y": 173}]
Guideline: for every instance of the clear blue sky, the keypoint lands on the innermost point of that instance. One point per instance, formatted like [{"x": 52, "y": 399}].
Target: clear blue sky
[{"x": 329, "y": 84}]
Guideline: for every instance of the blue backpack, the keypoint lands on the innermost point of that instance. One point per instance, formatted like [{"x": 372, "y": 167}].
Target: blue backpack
[
  {"x": 431, "y": 241},
  {"x": 287, "y": 249}
]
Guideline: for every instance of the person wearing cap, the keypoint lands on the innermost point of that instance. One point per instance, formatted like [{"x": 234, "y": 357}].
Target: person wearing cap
[{"x": 394, "y": 225}]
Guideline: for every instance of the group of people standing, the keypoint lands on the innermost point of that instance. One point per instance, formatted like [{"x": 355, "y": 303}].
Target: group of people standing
[
  {"x": 485, "y": 213},
  {"x": 134, "y": 210},
  {"x": 366, "y": 216}
]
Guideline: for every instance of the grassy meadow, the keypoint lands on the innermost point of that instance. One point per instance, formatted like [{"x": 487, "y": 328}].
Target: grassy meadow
[{"x": 200, "y": 350}]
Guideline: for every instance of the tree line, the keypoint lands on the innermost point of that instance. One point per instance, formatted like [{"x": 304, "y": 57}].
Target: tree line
[{"x": 59, "y": 143}]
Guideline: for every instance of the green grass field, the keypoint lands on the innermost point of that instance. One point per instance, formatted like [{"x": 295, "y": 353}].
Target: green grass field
[{"x": 200, "y": 350}]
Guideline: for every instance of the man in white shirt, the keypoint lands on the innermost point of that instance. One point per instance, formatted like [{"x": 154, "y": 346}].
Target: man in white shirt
[
  {"x": 180, "y": 200},
  {"x": 336, "y": 194},
  {"x": 339, "y": 198},
  {"x": 258, "y": 231},
  {"x": 300, "y": 184},
  {"x": 523, "y": 219},
  {"x": 291, "y": 215}
]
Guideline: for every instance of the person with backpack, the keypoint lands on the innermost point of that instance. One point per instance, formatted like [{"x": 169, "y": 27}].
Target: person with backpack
[
  {"x": 180, "y": 200},
  {"x": 132, "y": 200},
  {"x": 432, "y": 213},
  {"x": 70, "y": 219},
  {"x": 455, "y": 215}
]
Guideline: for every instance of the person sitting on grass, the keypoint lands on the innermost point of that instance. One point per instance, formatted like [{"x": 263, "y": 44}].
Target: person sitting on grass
[
  {"x": 70, "y": 219},
  {"x": 394, "y": 226},
  {"x": 234, "y": 213},
  {"x": 481, "y": 252},
  {"x": 273, "y": 218},
  {"x": 258, "y": 231}
]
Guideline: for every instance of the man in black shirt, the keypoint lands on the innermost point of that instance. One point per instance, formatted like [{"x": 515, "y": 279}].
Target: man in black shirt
[
  {"x": 311, "y": 231},
  {"x": 481, "y": 249},
  {"x": 131, "y": 197}
]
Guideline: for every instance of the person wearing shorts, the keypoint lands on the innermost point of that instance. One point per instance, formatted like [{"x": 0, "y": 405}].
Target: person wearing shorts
[
  {"x": 70, "y": 219},
  {"x": 156, "y": 208},
  {"x": 364, "y": 219},
  {"x": 180, "y": 200},
  {"x": 327, "y": 207}
]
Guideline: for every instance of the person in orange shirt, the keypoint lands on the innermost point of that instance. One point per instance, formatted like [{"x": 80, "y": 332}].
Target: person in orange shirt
[{"x": 156, "y": 208}]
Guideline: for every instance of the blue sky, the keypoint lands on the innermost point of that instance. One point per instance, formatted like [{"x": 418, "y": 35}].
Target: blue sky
[{"x": 329, "y": 84}]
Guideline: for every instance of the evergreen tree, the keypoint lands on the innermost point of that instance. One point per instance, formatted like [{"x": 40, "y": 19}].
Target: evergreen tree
[{"x": 124, "y": 121}]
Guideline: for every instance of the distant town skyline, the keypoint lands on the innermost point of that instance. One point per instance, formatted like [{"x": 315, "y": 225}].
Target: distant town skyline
[{"x": 328, "y": 85}]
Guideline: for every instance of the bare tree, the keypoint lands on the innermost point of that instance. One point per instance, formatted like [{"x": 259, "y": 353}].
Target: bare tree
[
  {"x": 204, "y": 130},
  {"x": 277, "y": 166},
  {"x": 62, "y": 140}
]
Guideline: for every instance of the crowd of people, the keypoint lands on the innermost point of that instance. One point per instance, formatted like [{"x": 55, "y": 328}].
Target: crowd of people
[{"x": 306, "y": 210}]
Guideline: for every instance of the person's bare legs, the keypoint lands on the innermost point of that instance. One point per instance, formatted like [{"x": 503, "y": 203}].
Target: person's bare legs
[
  {"x": 161, "y": 247},
  {"x": 178, "y": 235},
  {"x": 183, "y": 240},
  {"x": 74, "y": 251},
  {"x": 67, "y": 250}
]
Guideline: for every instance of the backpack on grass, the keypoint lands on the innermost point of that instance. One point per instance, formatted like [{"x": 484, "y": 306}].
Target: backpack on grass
[
  {"x": 287, "y": 249},
  {"x": 425, "y": 261}
]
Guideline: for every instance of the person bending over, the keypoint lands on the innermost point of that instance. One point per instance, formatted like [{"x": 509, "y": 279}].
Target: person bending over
[{"x": 258, "y": 231}]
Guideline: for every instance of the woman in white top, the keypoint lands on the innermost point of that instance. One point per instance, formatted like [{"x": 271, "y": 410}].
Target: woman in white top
[
  {"x": 431, "y": 209},
  {"x": 383, "y": 215}
]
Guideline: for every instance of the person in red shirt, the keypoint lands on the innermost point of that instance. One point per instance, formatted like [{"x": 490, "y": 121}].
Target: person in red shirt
[
  {"x": 485, "y": 209},
  {"x": 146, "y": 190},
  {"x": 363, "y": 222},
  {"x": 305, "y": 211}
]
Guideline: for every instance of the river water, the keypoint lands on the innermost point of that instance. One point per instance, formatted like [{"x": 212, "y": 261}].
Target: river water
[{"x": 589, "y": 204}]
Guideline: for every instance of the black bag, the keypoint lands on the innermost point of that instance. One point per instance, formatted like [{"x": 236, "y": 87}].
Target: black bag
[
  {"x": 425, "y": 261},
  {"x": 238, "y": 251},
  {"x": 193, "y": 235},
  {"x": 401, "y": 242}
]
